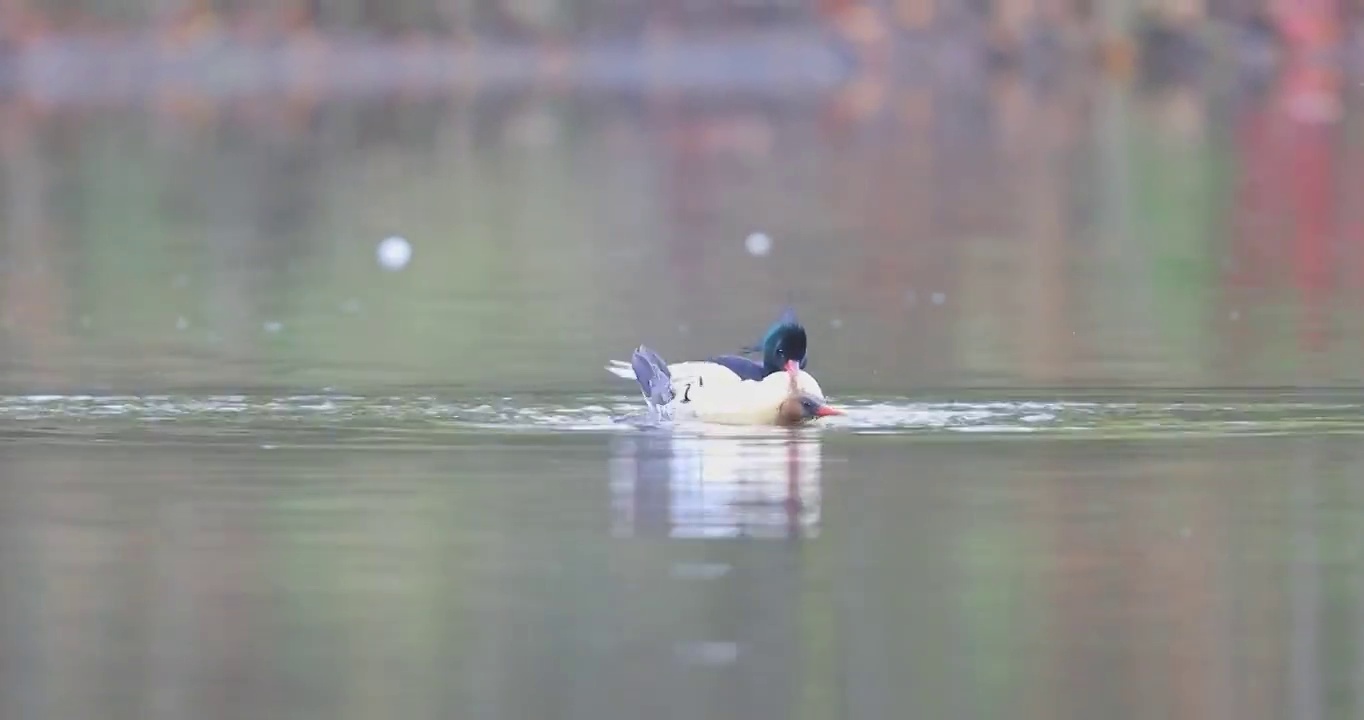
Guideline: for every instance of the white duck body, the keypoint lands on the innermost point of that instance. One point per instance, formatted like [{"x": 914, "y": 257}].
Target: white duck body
[
  {"x": 741, "y": 402},
  {"x": 711, "y": 392}
]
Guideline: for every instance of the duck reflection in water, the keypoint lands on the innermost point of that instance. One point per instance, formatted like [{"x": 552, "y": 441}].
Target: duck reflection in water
[{"x": 718, "y": 483}]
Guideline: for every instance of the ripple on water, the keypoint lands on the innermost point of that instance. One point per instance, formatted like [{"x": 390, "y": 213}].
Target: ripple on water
[{"x": 340, "y": 418}]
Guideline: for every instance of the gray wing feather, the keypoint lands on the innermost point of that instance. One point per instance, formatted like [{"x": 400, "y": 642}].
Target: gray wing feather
[{"x": 655, "y": 381}]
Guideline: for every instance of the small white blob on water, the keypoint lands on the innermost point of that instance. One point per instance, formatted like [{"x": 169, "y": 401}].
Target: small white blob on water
[
  {"x": 836, "y": 323},
  {"x": 274, "y": 326},
  {"x": 939, "y": 298},
  {"x": 394, "y": 253},
  {"x": 758, "y": 244},
  {"x": 181, "y": 323}
]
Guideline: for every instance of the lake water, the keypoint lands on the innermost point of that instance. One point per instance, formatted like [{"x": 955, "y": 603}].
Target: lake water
[{"x": 1099, "y": 346}]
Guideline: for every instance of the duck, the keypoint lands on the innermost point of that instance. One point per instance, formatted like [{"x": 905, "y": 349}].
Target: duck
[
  {"x": 784, "y": 340},
  {"x": 720, "y": 396}
]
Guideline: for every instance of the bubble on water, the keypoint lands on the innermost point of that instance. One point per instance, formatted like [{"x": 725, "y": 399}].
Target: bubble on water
[
  {"x": 758, "y": 244},
  {"x": 394, "y": 253},
  {"x": 181, "y": 323},
  {"x": 939, "y": 298},
  {"x": 273, "y": 326}
]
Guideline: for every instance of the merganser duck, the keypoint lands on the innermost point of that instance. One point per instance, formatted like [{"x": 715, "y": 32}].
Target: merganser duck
[
  {"x": 785, "y": 340},
  {"x": 711, "y": 392}
]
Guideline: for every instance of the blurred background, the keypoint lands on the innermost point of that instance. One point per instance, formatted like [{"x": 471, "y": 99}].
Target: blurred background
[
  {"x": 304, "y": 306},
  {"x": 957, "y": 194}
]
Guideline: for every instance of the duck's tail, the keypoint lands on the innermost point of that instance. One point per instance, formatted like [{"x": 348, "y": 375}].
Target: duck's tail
[{"x": 651, "y": 372}]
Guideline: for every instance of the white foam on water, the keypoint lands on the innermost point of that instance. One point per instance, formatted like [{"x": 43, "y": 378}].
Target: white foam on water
[{"x": 435, "y": 416}]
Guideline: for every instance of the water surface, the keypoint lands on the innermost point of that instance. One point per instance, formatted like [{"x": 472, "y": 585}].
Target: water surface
[{"x": 300, "y": 561}]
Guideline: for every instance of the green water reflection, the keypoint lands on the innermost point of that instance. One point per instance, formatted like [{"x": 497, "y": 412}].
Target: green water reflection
[
  {"x": 1088, "y": 234},
  {"x": 1123, "y": 578}
]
